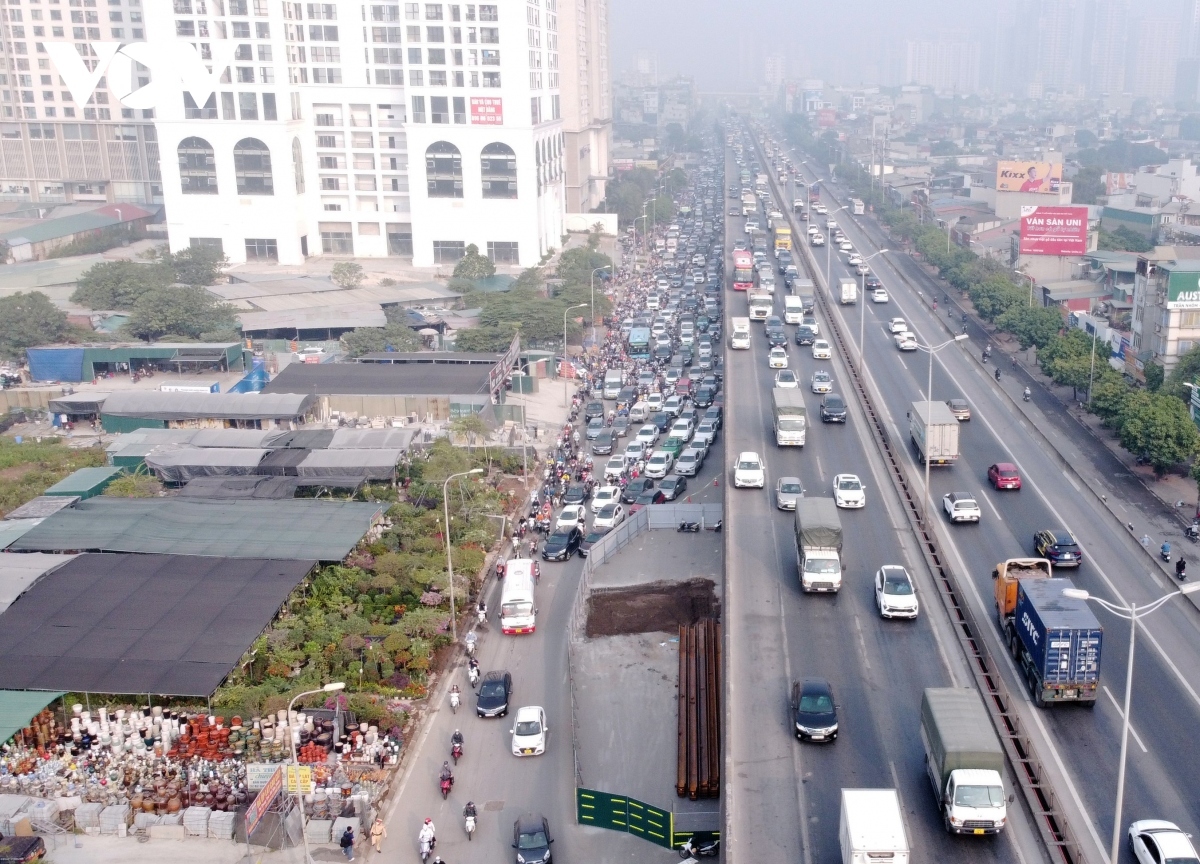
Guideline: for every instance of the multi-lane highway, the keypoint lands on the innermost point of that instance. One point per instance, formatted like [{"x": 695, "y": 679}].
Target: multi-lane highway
[{"x": 1081, "y": 746}]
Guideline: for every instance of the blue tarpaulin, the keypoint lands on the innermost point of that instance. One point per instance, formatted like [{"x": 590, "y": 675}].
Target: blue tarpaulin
[{"x": 55, "y": 364}]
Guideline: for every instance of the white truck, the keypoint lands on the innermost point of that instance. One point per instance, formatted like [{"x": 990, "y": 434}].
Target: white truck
[
  {"x": 964, "y": 760},
  {"x": 793, "y": 309},
  {"x": 791, "y": 417},
  {"x": 761, "y": 305},
  {"x": 803, "y": 288},
  {"x": 614, "y": 380},
  {"x": 818, "y": 545},
  {"x": 934, "y": 432},
  {"x": 739, "y": 334},
  {"x": 871, "y": 828},
  {"x": 847, "y": 290}
]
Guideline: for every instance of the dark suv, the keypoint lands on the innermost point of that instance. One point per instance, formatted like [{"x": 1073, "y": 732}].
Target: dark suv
[
  {"x": 833, "y": 409},
  {"x": 1059, "y": 546},
  {"x": 494, "y": 690}
]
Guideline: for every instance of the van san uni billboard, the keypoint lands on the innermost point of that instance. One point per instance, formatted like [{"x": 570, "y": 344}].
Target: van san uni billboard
[
  {"x": 1043, "y": 177},
  {"x": 1054, "y": 230}
]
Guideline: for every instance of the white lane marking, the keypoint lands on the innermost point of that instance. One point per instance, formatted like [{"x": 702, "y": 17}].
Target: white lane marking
[
  {"x": 1071, "y": 480},
  {"x": 862, "y": 643},
  {"x": 1121, "y": 714},
  {"x": 990, "y": 504}
]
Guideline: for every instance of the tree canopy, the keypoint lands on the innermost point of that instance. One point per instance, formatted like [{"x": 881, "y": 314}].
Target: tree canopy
[
  {"x": 391, "y": 337},
  {"x": 28, "y": 320},
  {"x": 188, "y": 311},
  {"x": 473, "y": 265},
  {"x": 347, "y": 274},
  {"x": 118, "y": 285}
]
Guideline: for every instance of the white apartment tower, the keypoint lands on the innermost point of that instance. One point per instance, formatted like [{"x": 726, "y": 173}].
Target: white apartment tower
[
  {"x": 60, "y": 146},
  {"x": 365, "y": 128},
  {"x": 586, "y": 100}
]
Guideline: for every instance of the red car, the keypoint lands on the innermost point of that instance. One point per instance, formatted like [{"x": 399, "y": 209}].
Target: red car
[
  {"x": 1004, "y": 475},
  {"x": 651, "y": 496}
]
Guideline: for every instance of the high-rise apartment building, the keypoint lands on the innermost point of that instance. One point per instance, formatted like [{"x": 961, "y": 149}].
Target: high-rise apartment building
[
  {"x": 645, "y": 69},
  {"x": 1059, "y": 30},
  {"x": 774, "y": 71},
  {"x": 1108, "y": 32},
  {"x": 1153, "y": 55},
  {"x": 60, "y": 143},
  {"x": 587, "y": 106},
  {"x": 947, "y": 65}
]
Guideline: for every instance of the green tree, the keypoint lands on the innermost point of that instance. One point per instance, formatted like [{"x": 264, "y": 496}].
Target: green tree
[
  {"x": 1186, "y": 371},
  {"x": 1087, "y": 185},
  {"x": 1086, "y": 138},
  {"x": 1032, "y": 325},
  {"x": 995, "y": 296},
  {"x": 530, "y": 278},
  {"x": 488, "y": 340},
  {"x": 117, "y": 285},
  {"x": 575, "y": 266},
  {"x": 391, "y": 337},
  {"x": 1123, "y": 240},
  {"x": 347, "y": 274},
  {"x": 473, "y": 265},
  {"x": 1154, "y": 376},
  {"x": 1109, "y": 393},
  {"x": 197, "y": 266},
  {"x": 1158, "y": 427},
  {"x": 29, "y": 320},
  {"x": 189, "y": 312}
]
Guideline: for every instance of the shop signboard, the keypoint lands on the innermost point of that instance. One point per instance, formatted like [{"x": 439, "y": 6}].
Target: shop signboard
[
  {"x": 263, "y": 801},
  {"x": 487, "y": 111},
  {"x": 259, "y": 774},
  {"x": 1183, "y": 289},
  {"x": 1054, "y": 230},
  {"x": 500, "y": 371},
  {"x": 299, "y": 779},
  {"x": 1041, "y": 177}
]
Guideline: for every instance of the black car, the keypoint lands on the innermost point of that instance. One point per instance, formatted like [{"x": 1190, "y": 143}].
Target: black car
[
  {"x": 661, "y": 419},
  {"x": 494, "y": 690},
  {"x": 833, "y": 409},
  {"x": 576, "y": 494},
  {"x": 531, "y": 839},
  {"x": 1059, "y": 546},
  {"x": 776, "y": 336},
  {"x": 636, "y": 488},
  {"x": 627, "y": 396},
  {"x": 704, "y": 396},
  {"x": 562, "y": 545},
  {"x": 620, "y": 426},
  {"x": 662, "y": 353},
  {"x": 672, "y": 486},
  {"x": 651, "y": 496},
  {"x": 714, "y": 414},
  {"x": 593, "y": 409},
  {"x": 589, "y": 540},
  {"x": 873, "y": 282},
  {"x": 602, "y": 444},
  {"x": 805, "y": 335},
  {"x": 814, "y": 713}
]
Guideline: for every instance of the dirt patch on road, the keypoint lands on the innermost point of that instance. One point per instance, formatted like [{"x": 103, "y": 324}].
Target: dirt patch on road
[{"x": 654, "y": 607}]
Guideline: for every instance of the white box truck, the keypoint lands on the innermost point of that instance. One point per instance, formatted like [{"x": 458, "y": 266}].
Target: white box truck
[
  {"x": 935, "y": 434},
  {"x": 739, "y": 334},
  {"x": 847, "y": 291},
  {"x": 964, "y": 760},
  {"x": 793, "y": 309},
  {"x": 791, "y": 417},
  {"x": 871, "y": 828}
]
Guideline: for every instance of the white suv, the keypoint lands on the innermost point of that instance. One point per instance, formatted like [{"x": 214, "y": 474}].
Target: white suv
[{"x": 749, "y": 471}]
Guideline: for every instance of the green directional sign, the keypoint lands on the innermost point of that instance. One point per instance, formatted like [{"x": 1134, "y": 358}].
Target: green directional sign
[{"x": 621, "y": 813}]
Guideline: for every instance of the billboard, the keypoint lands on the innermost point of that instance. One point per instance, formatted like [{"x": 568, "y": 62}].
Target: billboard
[
  {"x": 1183, "y": 289},
  {"x": 1054, "y": 230},
  {"x": 1044, "y": 177},
  {"x": 487, "y": 111}
]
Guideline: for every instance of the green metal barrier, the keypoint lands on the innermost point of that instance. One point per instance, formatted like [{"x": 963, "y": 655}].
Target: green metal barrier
[{"x": 621, "y": 813}]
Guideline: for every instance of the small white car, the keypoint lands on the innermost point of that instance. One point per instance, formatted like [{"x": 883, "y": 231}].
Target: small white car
[
  {"x": 634, "y": 451},
  {"x": 830, "y": 224},
  {"x": 777, "y": 358},
  {"x": 821, "y": 350},
  {"x": 647, "y": 435},
  {"x": 855, "y": 260},
  {"x": 610, "y": 516},
  {"x": 571, "y": 516},
  {"x": 816, "y": 240},
  {"x": 681, "y": 429},
  {"x": 846, "y": 248},
  {"x": 673, "y": 405},
  {"x": 848, "y": 491},
  {"x": 906, "y": 341},
  {"x": 785, "y": 379},
  {"x": 529, "y": 732},
  {"x": 659, "y": 464},
  {"x": 749, "y": 471},
  {"x": 897, "y": 325},
  {"x": 895, "y": 594},
  {"x": 605, "y": 495},
  {"x": 613, "y": 468},
  {"x": 861, "y": 268},
  {"x": 654, "y": 402},
  {"x": 879, "y": 295},
  {"x": 961, "y": 508},
  {"x": 1155, "y": 841},
  {"x": 822, "y": 382}
]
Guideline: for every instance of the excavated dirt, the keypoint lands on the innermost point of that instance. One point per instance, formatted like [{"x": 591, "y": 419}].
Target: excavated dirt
[{"x": 653, "y": 607}]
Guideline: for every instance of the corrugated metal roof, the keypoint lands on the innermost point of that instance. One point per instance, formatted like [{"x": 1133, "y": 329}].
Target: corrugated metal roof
[
  {"x": 42, "y": 274},
  {"x": 154, "y": 404},
  {"x": 314, "y": 318},
  {"x": 367, "y": 295}
]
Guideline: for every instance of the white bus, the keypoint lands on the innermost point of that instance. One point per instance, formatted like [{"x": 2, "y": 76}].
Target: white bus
[
  {"x": 517, "y": 611},
  {"x": 857, "y": 207}
]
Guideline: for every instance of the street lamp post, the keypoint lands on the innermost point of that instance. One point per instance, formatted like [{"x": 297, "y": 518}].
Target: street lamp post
[
  {"x": 1031, "y": 283},
  {"x": 1132, "y": 613},
  {"x": 862, "y": 312},
  {"x": 931, "y": 350},
  {"x": 594, "y": 272},
  {"x": 828, "y": 243},
  {"x": 635, "y": 221},
  {"x": 565, "y": 311},
  {"x": 449, "y": 562},
  {"x": 331, "y": 687}
]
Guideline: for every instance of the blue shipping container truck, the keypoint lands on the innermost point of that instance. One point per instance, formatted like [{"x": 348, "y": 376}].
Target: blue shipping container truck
[{"x": 1057, "y": 644}]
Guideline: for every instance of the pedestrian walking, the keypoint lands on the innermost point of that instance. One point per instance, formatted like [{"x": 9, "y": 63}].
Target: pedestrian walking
[
  {"x": 347, "y": 844},
  {"x": 378, "y": 832}
]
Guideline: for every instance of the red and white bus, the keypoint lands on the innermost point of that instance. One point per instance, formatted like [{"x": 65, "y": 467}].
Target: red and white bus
[{"x": 743, "y": 270}]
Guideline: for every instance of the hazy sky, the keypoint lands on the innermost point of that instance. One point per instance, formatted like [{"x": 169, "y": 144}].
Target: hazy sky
[{"x": 721, "y": 43}]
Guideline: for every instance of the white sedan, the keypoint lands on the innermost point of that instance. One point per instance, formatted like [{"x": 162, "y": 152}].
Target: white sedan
[
  {"x": 906, "y": 341},
  {"x": 605, "y": 495},
  {"x": 879, "y": 295},
  {"x": 855, "y": 260},
  {"x": 614, "y": 467},
  {"x": 822, "y": 382},
  {"x": 821, "y": 350},
  {"x": 571, "y": 516},
  {"x": 1155, "y": 841},
  {"x": 785, "y": 379},
  {"x": 647, "y": 435},
  {"x": 612, "y": 515},
  {"x": 848, "y": 491},
  {"x": 529, "y": 732},
  {"x": 749, "y": 471},
  {"x": 777, "y": 358},
  {"x": 897, "y": 325}
]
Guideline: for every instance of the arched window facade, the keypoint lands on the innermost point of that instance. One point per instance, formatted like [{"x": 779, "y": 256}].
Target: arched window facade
[
  {"x": 197, "y": 167},
  {"x": 443, "y": 170},
  {"x": 298, "y": 166},
  {"x": 252, "y": 167},
  {"x": 499, "y": 164}
]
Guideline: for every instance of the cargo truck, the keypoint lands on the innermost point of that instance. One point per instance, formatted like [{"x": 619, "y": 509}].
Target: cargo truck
[
  {"x": 791, "y": 417},
  {"x": 803, "y": 288},
  {"x": 1007, "y": 574},
  {"x": 783, "y": 238},
  {"x": 749, "y": 203},
  {"x": 818, "y": 545},
  {"x": 614, "y": 380},
  {"x": 793, "y": 310},
  {"x": 739, "y": 333},
  {"x": 964, "y": 760},
  {"x": 934, "y": 432},
  {"x": 871, "y": 828},
  {"x": 761, "y": 305},
  {"x": 1056, "y": 642},
  {"x": 847, "y": 290}
]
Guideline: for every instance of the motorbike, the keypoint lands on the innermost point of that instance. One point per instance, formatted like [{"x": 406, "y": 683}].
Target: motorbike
[
  {"x": 470, "y": 826},
  {"x": 689, "y": 527},
  {"x": 1164, "y": 552},
  {"x": 455, "y": 701},
  {"x": 447, "y": 784},
  {"x": 703, "y": 849},
  {"x": 481, "y": 617},
  {"x": 456, "y": 752},
  {"x": 997, "y": 374},
  {"x": 471, "y": 640},
  {"x": 1192, "y": 532},
  {"x": 473, "y": 676},
  {"x": 426, "y": 848},
  {"x": 1026, "y": 395}
]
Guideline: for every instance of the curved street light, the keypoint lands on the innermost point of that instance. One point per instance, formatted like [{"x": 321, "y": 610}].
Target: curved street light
[
  {"x": 331, "y": 687},
  {"x": 594, "y": 272},
  {"x": 449, "y": 562},
  {"x": 931, "y": 350},
  {"x": 1132, "y": 613}
]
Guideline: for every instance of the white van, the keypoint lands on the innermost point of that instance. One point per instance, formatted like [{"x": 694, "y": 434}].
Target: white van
[
  {"x": 639, "y": 412},
  {"x": 614, "y": 380},
  {"x": 793, "y": 309},
  {"x": 517, "y": 612}
]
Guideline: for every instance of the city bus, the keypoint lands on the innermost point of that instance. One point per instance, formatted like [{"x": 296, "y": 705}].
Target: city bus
[
  {"x": 517, "y": 612},
  {"x": 856, "y": 206},
  {"x": 639, "y": 343},
  {"x": 743, "y": 270}
]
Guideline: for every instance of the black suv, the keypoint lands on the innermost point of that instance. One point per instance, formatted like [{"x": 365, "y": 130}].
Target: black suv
[
  {"x": 562, "y": 545},
  {"x": 833, "y": 409},
  {"x": 1059, "y": 546},
  {"x": 531, "y": 839},
  {"x": 805, "y": 335},
  {"x": 636, "y": 488},
  {"x": 593, "y": 409},
  {"x": 494, "y": 690}
]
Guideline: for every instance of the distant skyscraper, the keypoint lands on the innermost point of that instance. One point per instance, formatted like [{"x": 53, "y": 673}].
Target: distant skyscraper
[
  {"x": 1190, "y": 44},
  {"x": 947, "y": 65},
  {"x": 774, "y": 70},
  {"x": 646, "y": 66},
  {"x": 1109, "y": 32},
  {"x": 1154, "y": 53},
  {"x": 1058, "y": 29}
]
